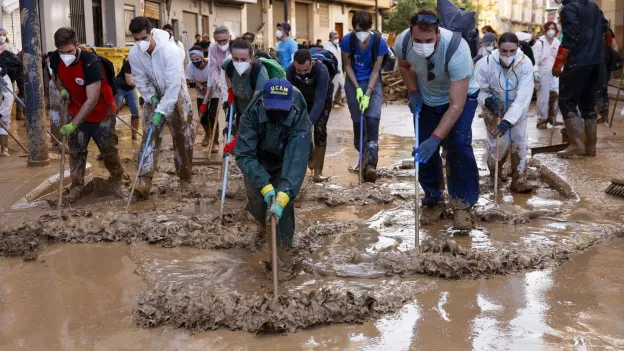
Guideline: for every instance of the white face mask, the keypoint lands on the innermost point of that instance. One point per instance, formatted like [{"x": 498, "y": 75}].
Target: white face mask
[
  {"x": 489, "y": 48},
  {"x": 143, "y": 45},
  {"x": 336, "y": 41},
  {"x": 506, "y": 60},
  {"x": 50, "y": 69},
  {"x": 424, "y": 50},
  {"x": 68, "y": 59},
  {"x": 551, "y": 33},
  {"x": 2, "y": 38},
  {"x": 279, "y": 34},
  {"x": 224, "y": 47},
  {"x": 362, "y": 36},
  {"x": 241, "y": 67}
]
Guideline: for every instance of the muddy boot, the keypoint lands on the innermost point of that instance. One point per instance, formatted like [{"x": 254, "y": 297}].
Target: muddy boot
[
  {"x": 319, "y": 154},
  {"x": 142, "y": 189},
  {"x": 370, "y": 162},
  {"x": 207, "y": 131},
  {"x": 564, "y": 136},
  {"x": 134, "y": 122},
  {"x": 4, "y": 145},
  {"x": 430, "y": 215},
  {"x": 576, "y": 134},
  {"x": 19, "y": 114},
  {"x": 542, "y": 125},
  {"x": 285, "y": 261},
  {"x": 73, "y": 195},
  {"x": 604, "y": 113},
  {"x": 312, "y": 161},
  {"x": 521, "y": 184},
  {"x": 552, "y": 108},
  {"x": 591, "y": 126},
  {"x": 462, "y": 220}
]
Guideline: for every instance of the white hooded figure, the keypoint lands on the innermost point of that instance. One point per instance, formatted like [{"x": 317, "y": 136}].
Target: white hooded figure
[
  {"x": 506, "y": 81},
  {"x": 545, "y": 53}
]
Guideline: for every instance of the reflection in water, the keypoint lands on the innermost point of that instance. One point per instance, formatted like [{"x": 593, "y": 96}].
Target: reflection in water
[
  {"x": 440, "y": 308},
  {"x": 396, "y": 331}
]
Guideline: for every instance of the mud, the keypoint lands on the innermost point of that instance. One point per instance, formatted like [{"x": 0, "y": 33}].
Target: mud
[
  {"x": 510, "y": 214},
  {"x": 334, "y": 195}
]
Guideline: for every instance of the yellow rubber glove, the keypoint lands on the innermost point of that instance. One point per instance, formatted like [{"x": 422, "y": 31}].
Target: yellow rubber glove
[
  {"x": 268, "y": 192},
  {"x": 358, "y": 94},
  {"x": 364, "y": 103}
]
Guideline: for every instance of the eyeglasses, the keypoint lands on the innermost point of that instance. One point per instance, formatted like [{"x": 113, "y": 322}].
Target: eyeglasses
[
  {"x": 430, "y": 66},
  {"x": 431, "y": 19},
  {"x": 223, "y": 42}
]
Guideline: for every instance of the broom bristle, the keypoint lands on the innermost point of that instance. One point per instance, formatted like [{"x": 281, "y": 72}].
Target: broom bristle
[{"x": 616, "y": 188}]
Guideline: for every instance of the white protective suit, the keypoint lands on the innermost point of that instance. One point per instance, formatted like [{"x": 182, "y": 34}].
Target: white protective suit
[
  {"x": 545, "y": 54},
  {"x": 514, "y": 88},
  {"x": 7, "y": 103},
  {"x": 339, "y": 80}
]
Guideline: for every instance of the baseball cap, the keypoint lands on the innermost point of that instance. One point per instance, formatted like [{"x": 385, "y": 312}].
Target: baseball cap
[
  {"x": 285, "y": 27},
  {"x": 488, "y": 38},
  {"x": 278, "y": 94}
]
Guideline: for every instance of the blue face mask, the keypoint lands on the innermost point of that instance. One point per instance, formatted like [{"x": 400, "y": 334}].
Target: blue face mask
[{"x": 197, "y": 64}]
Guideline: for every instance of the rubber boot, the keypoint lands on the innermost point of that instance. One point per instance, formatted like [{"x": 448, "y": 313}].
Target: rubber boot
[
  {"x": 604, "y": 112},
  {"x": 312, "y": 160},
  {"x": 591, "y": 126},
  {"x": 73, "y": 195},
  {"x": 552, "y": 108},
  {"x": 520, "y": 184},
  {"x": 207, "y": 132},
  {"x": 319, "y": 154},
  {"x": 576, "y": 134},
  {"x": 134, "y": 122},
  {"x": 370, "y": 162},
  {"x": 4, "y": 145},
  {"x": 462, "y": 220},
  {"x": 430, "y": 215},
  {"x": 286, "y": 264},
  {"x": 19, "y": 115},
  {"x": 542, "y": 125},
  {"x": 142, "y": 189}
]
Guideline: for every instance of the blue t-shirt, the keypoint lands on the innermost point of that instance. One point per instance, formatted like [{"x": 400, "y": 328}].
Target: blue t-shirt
[
  {"x": 363, "y": 62},
  {"x": 286, "y": 49}
]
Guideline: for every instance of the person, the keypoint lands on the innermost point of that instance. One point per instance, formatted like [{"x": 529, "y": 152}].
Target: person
[
  {"x": 160, "y": 81},
  {"x": 128, "y": 92},
  {"x": 312, "y": 79},
  {"x": 198, "y": 39},
  {"x": 603, "y": 94},
  {"x": 488, "y": 29},
  {"x": 81, "y": 79},
  {"x": 582, "y": 53},
  {"x": 6, "y": 46},
  {"x": 56, "y": 104},
  {"x": 250, "y": 37},
  {"x": 169, "y": 29},
  {"x": 272, "y": 152},
  {"x": 319, "y": 44},
  {"x": 545, "y": 52},
  {"x": 506, "y": 87},
  {"x": 5, "y": 110},
  {"x": 363, "y": 87},
  {"x": 446, "y": 96},
  {"x": 216, "y": 56},
  {"x": 286, "y": 47},
  {"x": 207, "y": 97},
  {"x": 205, "y": 46},
  {"x": 333, "y": 46},
  {"x": 488, "y": 44}
]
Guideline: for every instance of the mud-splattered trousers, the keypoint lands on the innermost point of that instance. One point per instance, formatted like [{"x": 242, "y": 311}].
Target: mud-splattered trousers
[
  {"x": 462, "y": 173},
  {"x": 372, "y": 116},
  {"x": 578, "y": 86},
  {"x": 56, "y": 106},
  {"x": 547, "y": 94},
  {"x": 102, "y": 134},
  {"x": 320, "y": 125},
  {"x": 180, "y": 124},
  {"x": 7, "y": 104}
]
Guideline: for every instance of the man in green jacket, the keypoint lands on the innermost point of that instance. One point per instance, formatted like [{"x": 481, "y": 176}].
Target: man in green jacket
[{"x": 272, "y": 151}]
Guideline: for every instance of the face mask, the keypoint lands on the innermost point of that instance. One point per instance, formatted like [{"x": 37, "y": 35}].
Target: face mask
[
  {"x": 143, "y": 45},
  {"x": 362, "y": 36},
  {"x": 279, "y": 34},
  {"x": 336, "y": 41},
  {"x": 551, "y": 33},
  {"x": 489, "y": 48},
  {"x": 506, "y": 60},
  {"x": 241, "y": 67},
  {"x": 304, "y": 77},
  {"x": 424, "y": 50},
  {"x": 224, "y": 47},
  {"x": 276, "y": 116},
  {"x": 2, "y": 38},
  {"x": 68, "y": 59},
  {"x": 197, "y": 64}
]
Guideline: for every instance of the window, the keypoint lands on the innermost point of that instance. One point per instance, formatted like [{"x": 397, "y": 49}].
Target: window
[
  {"x": 129, "y": 14},
  {"x": 77, "y": 19}
]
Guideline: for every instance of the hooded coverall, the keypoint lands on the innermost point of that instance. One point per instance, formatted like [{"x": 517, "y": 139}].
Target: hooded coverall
[
  {"x": 514, "y": 87},
  {"x": 162, "y": 76},
  {"x": 274, "y": 153},
  {"x": 548, "y": 90}
]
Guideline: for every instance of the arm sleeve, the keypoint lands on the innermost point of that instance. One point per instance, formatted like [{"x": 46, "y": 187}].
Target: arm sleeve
[
  {"x": 290, "y": 74},
  {"x": 93, "y": 72},
  {"x": 383, "y": 48},
  {"x": 187, "y": 72},
  {"x": 461, "y": 66},
  {"x": 245, "y": 151},
  {"x": 537, "y": 52},
  {"x": 571, "y": 26},
  {"x": 127, "y": 68},
  {"x": 398, "y": 46},
  {"x": 483, "y": 78},
  {"x": 213, "y": 66},
  {"x": 320, "y": 95},
  {"x": 141, "y": 80},
  {"x": 173, "y": 83},
  {"x": 263, "y": 77},
  {"x": 520, "y": 106},
  {"x": 297, "y": 153}
]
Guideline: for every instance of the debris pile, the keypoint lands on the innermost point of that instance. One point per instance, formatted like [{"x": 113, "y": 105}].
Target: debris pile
[{"x": 393, "y": 86}]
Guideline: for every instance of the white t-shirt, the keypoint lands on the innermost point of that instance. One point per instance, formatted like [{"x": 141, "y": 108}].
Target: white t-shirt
[{"x": 200, "y": 76}]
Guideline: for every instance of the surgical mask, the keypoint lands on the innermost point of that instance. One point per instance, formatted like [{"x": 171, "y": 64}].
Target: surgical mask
[
  {"x": 489, "y": 48},
  {"x": 68, "y": 59},
  {"x": 362, "y": 36},
  {"x": 506, "y": 60},
  {"x": 304, "y": 77},
  {"x": 197, "y": 63},
  {"x": 551, "y": 33},
  {"x": 224, "y": 47},
  {"x": 2, "y": 38},
  {"x": 241, "y": 67},
  {"x": 424, "y": 50},
  {"x": 276, "y": 116},
  {"x": 336, "y": 41},
  {"x": 279, "y": 34},
  {"x": 143, "y": 45}
]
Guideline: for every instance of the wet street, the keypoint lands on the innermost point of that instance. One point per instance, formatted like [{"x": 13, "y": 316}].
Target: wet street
[{"x": 539, "y": 272}]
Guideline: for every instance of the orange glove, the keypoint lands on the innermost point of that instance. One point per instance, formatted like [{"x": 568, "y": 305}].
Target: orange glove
[
  {"x": 229, "y": 147},
  {"x": 203, "y": 108},
  {"x": 608, "y": 38},
  {"x": 230, "y": 98},
  {"x": 562, "y": 56}
]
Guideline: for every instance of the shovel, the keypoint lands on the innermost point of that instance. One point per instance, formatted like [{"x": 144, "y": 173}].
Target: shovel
[
  {"x": 62, "y": 166},
  {"x": 273, "y": 247},
  {"x": 550, "y": 148}
]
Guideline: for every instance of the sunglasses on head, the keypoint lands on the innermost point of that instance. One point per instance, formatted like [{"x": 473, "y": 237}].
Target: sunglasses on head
[
  {"x": 430, "y": 66},
  {"x": 427, "y": 18}
]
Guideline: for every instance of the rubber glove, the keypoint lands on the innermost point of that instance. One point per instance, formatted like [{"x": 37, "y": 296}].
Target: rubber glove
[
  {"x": 494, "y": 105},
  {"x": 358, "y": 94},
  {"x": 426, "y": 149},
  {"x": 231, "y": 96},
  {"x": 154, "y": 100},
  {"x": 364, "y": 103},
  {"x": 65, "y": 94},
  {"x": 415, "y": 101},
  {"x": 562, "y": 56},
  {"x": 157, "y": 118},
  {"x": 229, "y": 147},
  {"x": 503, "y": 127},
  {"x": 268, "y": 192},
  {"x": 203, "y": 108},
  {"x": 277, "y": 207},
  {"x": 68, "y": 129}
]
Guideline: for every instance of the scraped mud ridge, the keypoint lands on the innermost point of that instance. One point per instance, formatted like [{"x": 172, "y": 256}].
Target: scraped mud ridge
[{"x": 333, "y": 196}]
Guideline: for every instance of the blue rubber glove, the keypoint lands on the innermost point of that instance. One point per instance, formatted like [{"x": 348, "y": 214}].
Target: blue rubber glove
[
  {"x": 503, "y": 127},
  {"x": 276, "y": 211},
  {"x": 495, "y": 106},
  {"x": 157, "y": 118},
  {"x": 426, "y": 149},
  {"x": 415, "y": 101}
]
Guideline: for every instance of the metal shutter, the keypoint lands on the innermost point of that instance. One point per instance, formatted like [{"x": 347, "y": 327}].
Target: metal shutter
[
  {"x": 129, "y": 14},
  {"x": 301, "y": 15},
  {"x": 189, "y": 20},
  {"x": 152, "y": 10},
  {"x": 324, "y": 15},
  {"x": 254, "y": 17},
  {"x": 278, "y": 15},
  {"x": 231, "y": 18}
]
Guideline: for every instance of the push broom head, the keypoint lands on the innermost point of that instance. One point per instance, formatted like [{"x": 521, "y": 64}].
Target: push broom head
[{"x": 616, "y": 187}]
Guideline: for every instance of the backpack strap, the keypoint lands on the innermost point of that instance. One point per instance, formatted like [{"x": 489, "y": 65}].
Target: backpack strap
[
  {"x": 452, "y": 48},
  {"x": 229, "y": 69},
  {"x": 406, "y": 40},
  {"x": 255, "y": 71},
  {"x": 352, "y": 43},
  {"x": 375, "y": 46}
]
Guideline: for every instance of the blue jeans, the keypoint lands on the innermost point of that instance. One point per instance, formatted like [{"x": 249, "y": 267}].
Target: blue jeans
[
  {"x": 132, "y": 100},
  {"x": 462, "y": 173}
]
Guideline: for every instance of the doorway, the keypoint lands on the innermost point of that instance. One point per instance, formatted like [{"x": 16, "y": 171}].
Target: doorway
[
  {"x": 98, "y": 31},
  {"x": 338, "y": 27}
]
